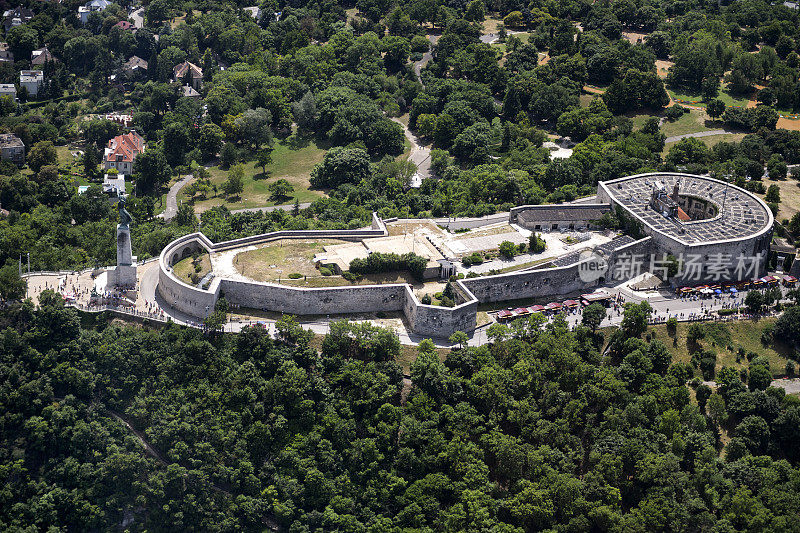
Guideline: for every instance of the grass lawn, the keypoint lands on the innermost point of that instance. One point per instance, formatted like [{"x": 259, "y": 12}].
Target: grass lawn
[
  {"x": 639, "y": 119},
  {"x": 292, "y": 159},
  {"x": 735, "y": 334},
  {"x": 790, "y": 197},
  {"x": 696, "y": 99},
  {"x": 711, "y": 140},
  {"x": 691, "y": 122},
  {"x": 186, "y": 269},
  {"x": 280, "y": 258}
]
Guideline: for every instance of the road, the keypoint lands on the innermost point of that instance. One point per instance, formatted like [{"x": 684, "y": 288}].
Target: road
[
  {"x": 710, "y": 133},
  {"x": 137, "y": 17},
  {"x": 426, "y": 58},
  {"x": 172, "y": 198}
]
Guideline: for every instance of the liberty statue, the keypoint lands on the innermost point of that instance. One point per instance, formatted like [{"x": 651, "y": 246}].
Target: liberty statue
[{"x": 125, "y": 218}]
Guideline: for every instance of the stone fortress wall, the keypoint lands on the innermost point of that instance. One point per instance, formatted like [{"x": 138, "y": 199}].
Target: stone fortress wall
[
  {"x": 424, "y": 320},
  {"x": 563, "y": 276}
]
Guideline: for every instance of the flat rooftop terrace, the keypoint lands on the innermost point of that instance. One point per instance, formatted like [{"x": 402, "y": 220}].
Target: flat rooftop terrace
[{"x": 743, "y": 215}]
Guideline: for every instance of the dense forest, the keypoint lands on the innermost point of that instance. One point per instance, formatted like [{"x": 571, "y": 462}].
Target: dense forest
[{"x": 543, "y": 429}]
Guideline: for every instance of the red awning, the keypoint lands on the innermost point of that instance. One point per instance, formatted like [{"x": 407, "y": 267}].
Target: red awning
[
  {"x": 571, "y": 303},
  {"x": 553, "y": 305},
  {"x": 790, "y": 279},
  {"x": 536, "y": 308},
  {"x": 521, "y": 311},
  {"x": 504, "y": 314}
]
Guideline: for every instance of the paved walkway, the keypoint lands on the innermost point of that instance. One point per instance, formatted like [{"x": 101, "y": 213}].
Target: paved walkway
[
  {"x": 420, "y": 155},
  {"x": 172, "y": 198},
  {"x": 710, "y": 133}
]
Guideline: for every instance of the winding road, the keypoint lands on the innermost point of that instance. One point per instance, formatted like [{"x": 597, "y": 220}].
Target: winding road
[{"x": 172, "y": 198}]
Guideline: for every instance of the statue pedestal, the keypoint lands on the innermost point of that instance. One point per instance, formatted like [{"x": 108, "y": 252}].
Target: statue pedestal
[{"x": 124, "y": 275}]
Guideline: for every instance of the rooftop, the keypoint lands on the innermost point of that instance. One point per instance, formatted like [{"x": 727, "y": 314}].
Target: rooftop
[
  {"x": 9, "y": 140},
  {"x": 741, "y": 214}
]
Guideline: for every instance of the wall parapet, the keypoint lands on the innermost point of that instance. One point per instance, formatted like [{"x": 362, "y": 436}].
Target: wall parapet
[{"x": 423, "y": 319}]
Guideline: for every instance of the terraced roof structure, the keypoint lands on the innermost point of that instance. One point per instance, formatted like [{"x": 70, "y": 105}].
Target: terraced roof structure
[{"x": 740, "y": 215}]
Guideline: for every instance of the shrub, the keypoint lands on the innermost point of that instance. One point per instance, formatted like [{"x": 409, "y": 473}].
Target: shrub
[
  {"x": 672, "y": 325},
  {"x": 295, "y": 275},
  {"x": 466, "y": 261},
  {"x": 476, "y": 258},
  {"x": 508, "y": 249},
  {"x": 351, "y": 276},
  {"x": 726, "y": 312},
  {"x": 426, "y": 299},
  {"x": 675, "y": 112},
  {"x": 447, "y": 302},
  {"x": 325, "y": 271},
  {"x": 377, "y": 262}
]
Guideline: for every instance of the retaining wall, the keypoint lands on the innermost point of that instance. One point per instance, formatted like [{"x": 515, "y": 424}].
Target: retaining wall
[{"x": 425, "y": 320}]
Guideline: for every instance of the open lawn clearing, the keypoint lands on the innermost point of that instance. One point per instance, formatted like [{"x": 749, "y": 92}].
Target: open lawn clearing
[
  {"x": 721, "y": 335},
  {"x": 790, "y": 197},
  {"x": 691, "y": 122},
  {"x": 688, "y": 98},
  {"x": 711, "y": 140},
  {"x": 187, "y": 270},
  {"x": 639, "y": 119},
  {"x": 280, "y": 258},
  {"x": 292, "y": 159}
]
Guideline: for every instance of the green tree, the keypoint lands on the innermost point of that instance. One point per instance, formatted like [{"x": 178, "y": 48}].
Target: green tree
[
  {"x": 754, "y": 301},
  {"x": 12, "y": 286},
  {"x": 41, "y": 154},
  {"x": 715, "y": 108},
  {"x": 264, "y": 158},
  {"x": 593, "y": 316},
  {"x": 234, "y": 185},
  {"x": 635, "y": 318},
  {"x": 341, "y": 165},
  {"x": 152, "y": 170},
  {"x": 280, "y": 190},
  {"x": 210, "y": 141},
  {"x": 508, "y": 249}
]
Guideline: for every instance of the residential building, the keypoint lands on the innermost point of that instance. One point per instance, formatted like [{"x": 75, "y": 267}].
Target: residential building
[
  {"x": 125, "y": 25},
  {"x": 31, "y": 80},
  {"x": 16, "y": 17},
  {"x": 122, "y": 151},
  {"x": 93, "y": 5},
  {"x": 196, "y": 74},
  {"x": 8, "y": 89},
  {"x": 189, "y": 92},
  {"x": 41, "y": 56},
  {"x": 254, "y": 12},
  {"x": 134, "y": 68},
  {"x": 12, "y": 149},
  {"x": 6, "y": 55}
]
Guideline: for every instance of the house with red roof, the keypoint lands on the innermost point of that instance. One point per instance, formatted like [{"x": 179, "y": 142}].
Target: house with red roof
[{"x": 121, "y": 152}]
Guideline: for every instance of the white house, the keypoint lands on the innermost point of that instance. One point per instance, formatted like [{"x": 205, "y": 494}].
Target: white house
[
  {"x": 8, "y": 89},
  {"x": 93, "y": 5},
  {"x": 31, "y": 80}
]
